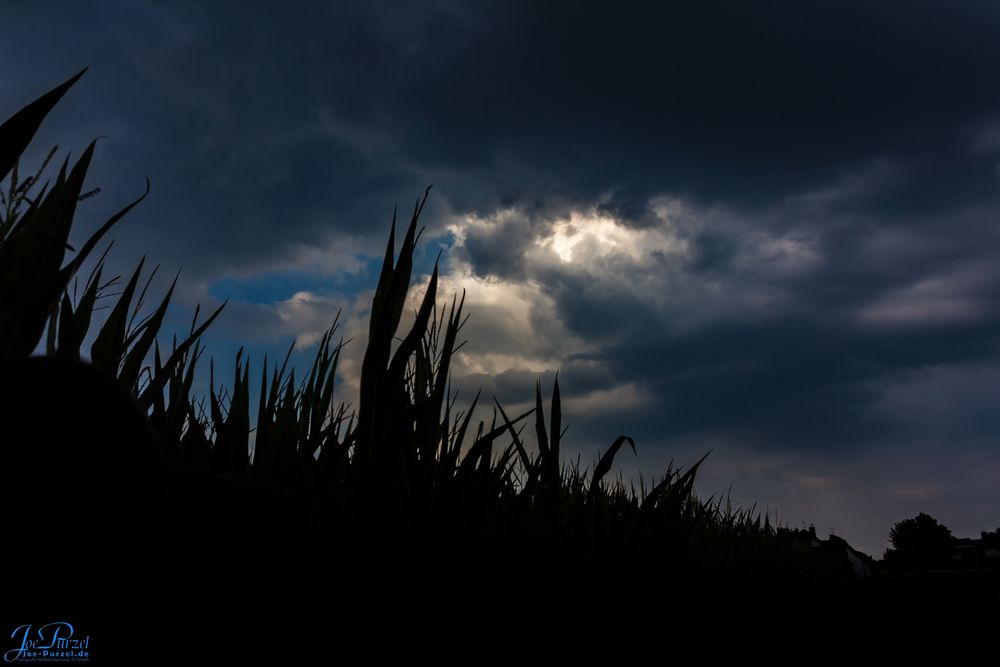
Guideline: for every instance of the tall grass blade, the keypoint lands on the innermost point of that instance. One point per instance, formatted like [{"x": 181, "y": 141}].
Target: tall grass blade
[{"x": 18, "y": 130}]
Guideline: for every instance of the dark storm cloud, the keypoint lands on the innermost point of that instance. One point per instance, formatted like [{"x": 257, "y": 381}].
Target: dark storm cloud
[
  {"x": 791, "y": 383},
  {"x": 715, "y": 100},
  {"x": 712, "y": 251},
  {"x": 323, "y": 115},
  {"x": 497, "y": 250},
  {"x": 222, "y": 109}
]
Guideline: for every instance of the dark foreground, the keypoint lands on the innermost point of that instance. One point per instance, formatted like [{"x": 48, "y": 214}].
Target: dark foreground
[{"x": 158, "y": 564}]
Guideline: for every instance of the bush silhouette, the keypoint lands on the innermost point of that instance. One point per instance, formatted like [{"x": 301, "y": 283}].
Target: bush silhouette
[{"x": 920, "y": 543}]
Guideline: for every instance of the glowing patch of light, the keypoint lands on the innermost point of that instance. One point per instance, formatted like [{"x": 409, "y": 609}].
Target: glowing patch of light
[{"x": 601, "y": 233}]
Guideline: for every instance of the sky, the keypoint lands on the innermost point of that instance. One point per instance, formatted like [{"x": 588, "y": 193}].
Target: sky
[{"x": 768, "y": 230}]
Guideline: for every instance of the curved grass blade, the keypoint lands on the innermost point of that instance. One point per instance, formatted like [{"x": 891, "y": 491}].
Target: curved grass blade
[{"x": 604, "y": 465}]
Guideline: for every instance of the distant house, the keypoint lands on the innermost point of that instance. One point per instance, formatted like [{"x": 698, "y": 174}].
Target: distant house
[
  {"x": 861, "y": 563},
  {"x": 834, "y": 554},
  {"x": 977, "y": 554}
]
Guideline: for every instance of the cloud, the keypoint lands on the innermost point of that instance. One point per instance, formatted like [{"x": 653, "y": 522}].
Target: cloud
[
  {"x": 304, "y": 317},
  {"x": 924, "y": 493},
  {"x": 811, "y": 481}
]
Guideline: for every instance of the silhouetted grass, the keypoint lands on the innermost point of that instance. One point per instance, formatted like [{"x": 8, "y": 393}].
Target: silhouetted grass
[{"x": 407, "y": 481}]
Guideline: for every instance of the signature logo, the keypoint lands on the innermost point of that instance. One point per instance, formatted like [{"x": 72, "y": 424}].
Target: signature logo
[{"x": 52, "y": 642}]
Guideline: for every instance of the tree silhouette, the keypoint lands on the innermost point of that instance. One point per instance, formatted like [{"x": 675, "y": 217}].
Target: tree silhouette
[{"x": 920, "y": 543}]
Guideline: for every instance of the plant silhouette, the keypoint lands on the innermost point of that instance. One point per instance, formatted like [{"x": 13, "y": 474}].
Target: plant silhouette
[
  {"x": 409, "y": 475},
  {"x": 920, "y": 543}
]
